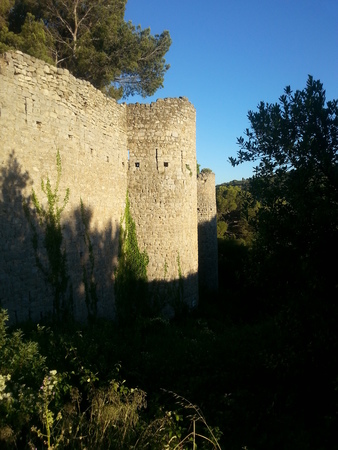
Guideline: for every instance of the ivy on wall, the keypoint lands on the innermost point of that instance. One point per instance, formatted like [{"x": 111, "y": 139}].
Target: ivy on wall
[{"x": 131, "y": 293}]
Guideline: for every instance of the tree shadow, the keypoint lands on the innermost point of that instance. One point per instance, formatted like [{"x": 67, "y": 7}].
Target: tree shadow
[
  {"x": 24, "y": 291},
  {"x": 92, "y": 258},
  {"x": 17, "y": 267},
  {"x": 208, "y": 256}
]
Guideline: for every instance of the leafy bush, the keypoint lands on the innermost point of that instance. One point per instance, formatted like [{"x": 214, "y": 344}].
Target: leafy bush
[
  {"x": 21, "y": 367},
  {"x": 76, "y": 406}
]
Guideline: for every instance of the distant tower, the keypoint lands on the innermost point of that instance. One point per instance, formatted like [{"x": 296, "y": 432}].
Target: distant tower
[{"x": 207, "y": 232}]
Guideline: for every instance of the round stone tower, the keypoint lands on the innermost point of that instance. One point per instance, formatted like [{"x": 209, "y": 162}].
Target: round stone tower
[
  {"x": 163, "y": 190},
  {"x": 207, "y": 232}
]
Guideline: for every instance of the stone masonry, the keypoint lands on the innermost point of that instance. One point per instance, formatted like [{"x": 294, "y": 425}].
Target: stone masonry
[
  {"x": 106, "y": 150},
  {"x": 207, "y": 232}
]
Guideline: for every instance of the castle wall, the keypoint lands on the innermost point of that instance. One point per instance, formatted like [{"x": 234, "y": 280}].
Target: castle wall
[
  {"x": 105, "y": 148},
  {"x": 162, "y": 189},
  {"x": 44, "y": 109},
  {"x": 207, "y": 232}
]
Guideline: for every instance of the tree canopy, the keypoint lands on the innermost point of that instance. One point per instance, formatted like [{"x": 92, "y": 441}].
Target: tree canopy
[
  {"x": 91, "y": 39},
  {"x": 300, "y": 132},
  {"x": 295, "y": 142},
  {"x": 235, "y": 211}
]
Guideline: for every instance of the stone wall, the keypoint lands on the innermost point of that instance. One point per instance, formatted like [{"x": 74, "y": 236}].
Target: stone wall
[
  {"x": 42, "y": 110},
  {"x": 207, "y": 232},
  {"x": 106, "y": 148},
  {"x": 162, "y": 188}
]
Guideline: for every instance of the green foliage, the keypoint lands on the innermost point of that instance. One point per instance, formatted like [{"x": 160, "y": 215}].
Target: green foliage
[
  {"x": 32, "y": 39},
  {"x": 290, "y": 276},
  {"x": 5, "y": 8},
  {"x": 179, "y": 268},
  {"x": 299, "y": 132},
  {"x": 180, "y": 428},
  {"x": 196, "y": 432},
  {"x": 247, "y": 375},
  {"x": 236, "y": 211},
  {"x": 131, "y": 293},
  {"x": 115, "y": 416},
  {"x": 108, "y": 418},
  {"x": 47, "y": 416},
  {"x": 222, "y": 228},
  {"x": 53, "y": 264},
  {"x": 17, "y": 355},
  {"x": 62, "y": 409},
  {"x": 295, "y": 142},
  {"x": 91, "y": 39},
  {"x": 233, "y": 260},
  {"x": 21, "y": 366},
  {"x": 88, "y": 277},
  {"x": 69, "y": 407}
]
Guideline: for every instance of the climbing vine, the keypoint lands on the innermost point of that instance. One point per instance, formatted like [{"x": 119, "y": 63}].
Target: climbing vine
[{"x": 131, "y": 295}]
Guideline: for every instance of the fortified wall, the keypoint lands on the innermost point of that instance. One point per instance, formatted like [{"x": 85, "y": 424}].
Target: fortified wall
[
  {"x": 162, "y": 188},
  {"x": 207, "y": 230},
  {"x": 106, "y": 149}
]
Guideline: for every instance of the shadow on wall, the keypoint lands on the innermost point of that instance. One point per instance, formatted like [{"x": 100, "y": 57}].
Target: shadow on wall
[
  {"x": 40, "y": 276},
  {"x": 39, "y": 279},
  {"x": 208, "y": 256},
  {"x": 17, "y": 261}
]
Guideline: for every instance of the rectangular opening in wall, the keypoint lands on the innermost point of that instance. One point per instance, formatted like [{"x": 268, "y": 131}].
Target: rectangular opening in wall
[
  {"x": 128, "y": 155},
  {"x": 137, "y": 164},
  {"x": 166, "y": 164},
  {"x": 156, "y": 157}
]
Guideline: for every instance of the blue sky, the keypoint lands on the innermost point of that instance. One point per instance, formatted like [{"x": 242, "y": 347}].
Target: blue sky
[{"x": 228, "y": 55}]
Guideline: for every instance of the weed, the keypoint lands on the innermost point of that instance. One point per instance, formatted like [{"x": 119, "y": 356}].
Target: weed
[{"x": 48, "y": 224}]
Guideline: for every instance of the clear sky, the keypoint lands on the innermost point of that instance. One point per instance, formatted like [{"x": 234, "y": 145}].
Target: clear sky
[{"x": 228, "y": 55}]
